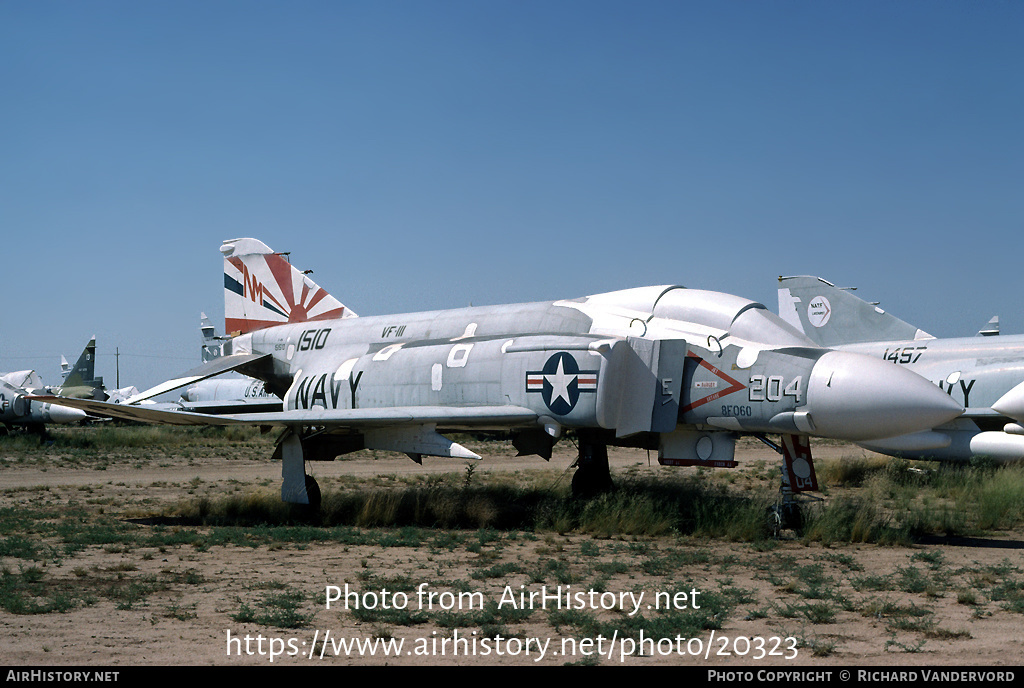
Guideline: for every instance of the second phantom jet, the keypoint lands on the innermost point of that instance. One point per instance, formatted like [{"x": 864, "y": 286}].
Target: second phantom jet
[{"x": 985, "y": 374}]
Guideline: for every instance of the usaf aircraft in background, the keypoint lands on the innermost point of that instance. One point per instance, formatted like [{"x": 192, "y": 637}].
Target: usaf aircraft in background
[
  {"x": 229, "y": 395},
  {"x": 680, "y": 371},
  {"x": 20, "y": 387},
  {"x": 984, "y": 373},
  {"x": 81, "y": 381},
  {"x": 225, "y": 394}
]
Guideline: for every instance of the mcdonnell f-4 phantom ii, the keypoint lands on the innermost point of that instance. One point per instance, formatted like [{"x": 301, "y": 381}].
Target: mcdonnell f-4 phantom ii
[
  {"x": 984, "y": 373},
  {"x": 681, "y": 371}
]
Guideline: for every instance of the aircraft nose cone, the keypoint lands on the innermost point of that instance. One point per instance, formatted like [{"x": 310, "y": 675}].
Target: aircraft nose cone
[
  {"x": 63, "y": 414},
  {"x": 857, "y": 397},
  {"x": 1012, "y": 403}
]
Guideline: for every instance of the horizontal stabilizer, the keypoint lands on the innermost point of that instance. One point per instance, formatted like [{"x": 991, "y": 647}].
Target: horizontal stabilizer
[
  {"x": 208, "y": 369},
  {"x": 140, "y": 414}
]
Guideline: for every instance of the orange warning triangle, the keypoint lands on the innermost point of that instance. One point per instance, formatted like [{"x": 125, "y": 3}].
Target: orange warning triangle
[{"x": 734, "y": 385}]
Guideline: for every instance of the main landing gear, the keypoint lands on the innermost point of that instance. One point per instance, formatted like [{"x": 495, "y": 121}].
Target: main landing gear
[
  {"x": 298, "y": 487},
  {"x": 798, "y": 477},
  {"x": 313, "y": 493},
  {"x": 592, "y": 476}
]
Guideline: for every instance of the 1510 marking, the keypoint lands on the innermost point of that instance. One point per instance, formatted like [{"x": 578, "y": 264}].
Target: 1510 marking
[{"x": 313, "y": 339}]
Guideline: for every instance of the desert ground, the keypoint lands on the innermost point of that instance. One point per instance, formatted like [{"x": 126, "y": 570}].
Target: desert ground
[{"x": 105, "y": 563}]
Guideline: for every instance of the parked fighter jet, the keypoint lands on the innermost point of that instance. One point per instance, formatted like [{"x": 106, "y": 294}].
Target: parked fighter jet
[
  {"x": 682, "y": 371},
  {"x": 81, "y": 381},
  {"x": 984, "y": 373},
  {"x": 17, "y": 408}
]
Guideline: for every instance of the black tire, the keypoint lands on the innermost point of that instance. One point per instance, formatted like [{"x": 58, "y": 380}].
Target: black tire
[
  {"x": 313, "y": 492},
  {"x": 589, "y": 482}
]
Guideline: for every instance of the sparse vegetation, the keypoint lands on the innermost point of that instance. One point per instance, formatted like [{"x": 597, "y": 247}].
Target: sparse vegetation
[
  {"x": 475, "y": 531},
  {"x": 281, "y": 608}
]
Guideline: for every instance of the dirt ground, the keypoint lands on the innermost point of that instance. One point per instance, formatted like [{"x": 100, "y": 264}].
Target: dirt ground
[{"x": 206, "y": 611}]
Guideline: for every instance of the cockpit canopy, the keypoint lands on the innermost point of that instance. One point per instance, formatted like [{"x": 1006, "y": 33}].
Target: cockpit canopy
[
  {"x": 741, "y": 318},
  {"x": 737, "y": 316}
]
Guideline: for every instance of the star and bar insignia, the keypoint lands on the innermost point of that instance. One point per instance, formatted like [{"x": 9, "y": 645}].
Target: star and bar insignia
[{"x": 561, "y": 382}]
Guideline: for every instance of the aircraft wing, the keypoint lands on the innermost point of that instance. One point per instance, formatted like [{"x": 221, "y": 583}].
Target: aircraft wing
[
  {"x": 446, "y": 416},
  {"x": 459, "y": 417},
  {"x": 208, "y": 369}
]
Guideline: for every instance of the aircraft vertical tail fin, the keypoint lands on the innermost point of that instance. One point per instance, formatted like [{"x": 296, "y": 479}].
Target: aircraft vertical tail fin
[
  {"x": 831, "y": 316},
  {"x": 262, "y": 289},
  {"x": 81, "y": 380},
  {"x": 991, "y": 329},
  {"x": 84, "y": 372},
  {"x": 211, "y": 347}
]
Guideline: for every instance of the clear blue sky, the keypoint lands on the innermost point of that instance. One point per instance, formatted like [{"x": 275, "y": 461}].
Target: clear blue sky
[{"x": 421, "y": 154}]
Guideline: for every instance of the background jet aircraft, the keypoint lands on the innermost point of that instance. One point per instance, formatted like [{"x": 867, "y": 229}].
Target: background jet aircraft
[
  {"x": 984, "y": 373},
  {"x": 16, "y": 408},
  {"x": 229, "y": 395},
  {"x": 225, "y": 394},
  {"x": 81, "y": 381},
  {"x": 991, "y": 329},
  {"x": 678, "y": 370}
]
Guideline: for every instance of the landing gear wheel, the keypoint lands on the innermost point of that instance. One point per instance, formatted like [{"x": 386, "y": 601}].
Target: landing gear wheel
[
  {"x": 592, "y": 475},
  {"x": 587, "y": 483},
  {"x": 313, "y": 492},
  {"x": 784, "y": 516},
  {"x": 792, "y": 516},
  {"x": 774, "y": 518}
]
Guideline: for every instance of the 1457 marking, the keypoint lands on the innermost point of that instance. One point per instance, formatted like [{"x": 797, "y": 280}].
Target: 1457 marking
[{"x": 905, "y": 354}]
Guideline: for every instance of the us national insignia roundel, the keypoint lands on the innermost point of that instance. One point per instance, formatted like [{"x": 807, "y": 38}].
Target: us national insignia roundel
[{"x": 561, "y": 382}]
